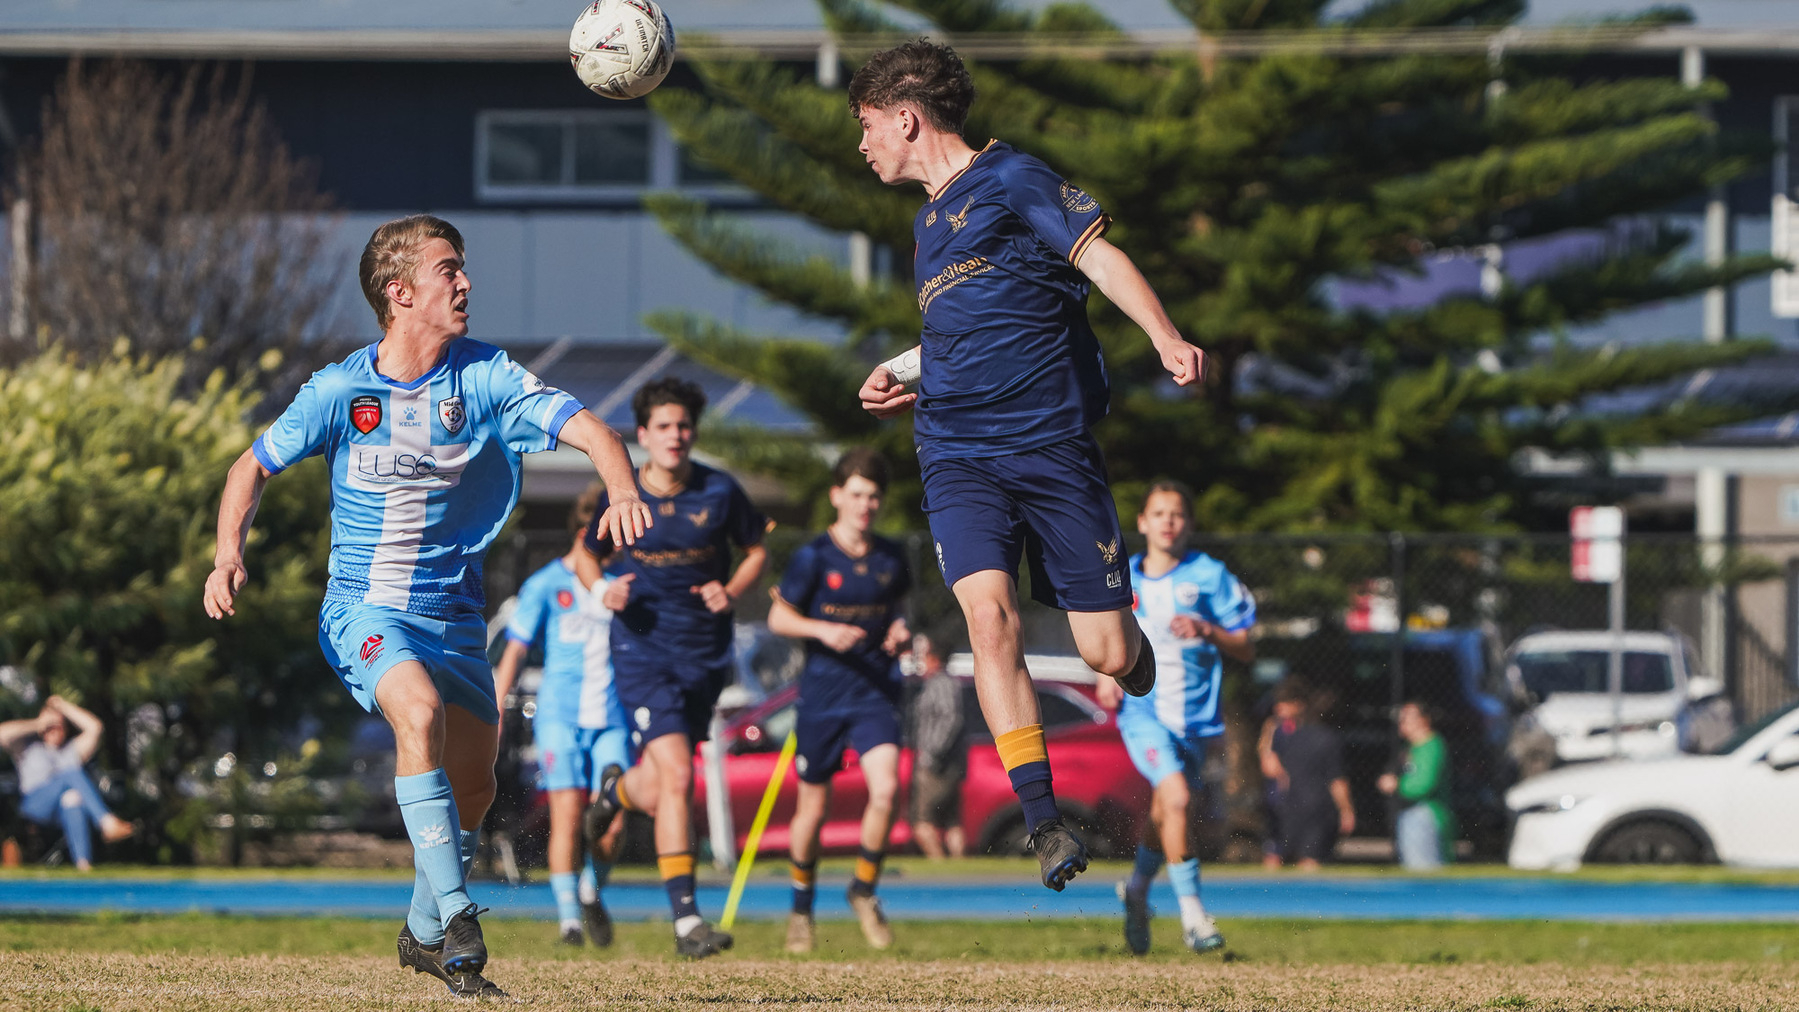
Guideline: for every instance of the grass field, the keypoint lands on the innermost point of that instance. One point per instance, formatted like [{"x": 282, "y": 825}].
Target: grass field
[{"x": 199, "y": 963}]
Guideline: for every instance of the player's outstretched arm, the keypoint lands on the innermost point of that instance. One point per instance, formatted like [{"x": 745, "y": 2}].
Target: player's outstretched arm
[
  {"x": 884, "y": 393},
  {"x": 505, "y": 673},
  {"x": 626, "y": 517},
  {"x": 785, "y": 620},
  {"x": 237, "y": 508},
  {"x": 1112, "y": 271}
]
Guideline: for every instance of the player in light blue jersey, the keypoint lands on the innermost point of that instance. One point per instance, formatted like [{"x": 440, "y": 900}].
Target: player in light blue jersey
[
  {"x": 579, "y": 725},
  {"x": 1195, "y": 613},
  {"x": 422, "y": 432}
]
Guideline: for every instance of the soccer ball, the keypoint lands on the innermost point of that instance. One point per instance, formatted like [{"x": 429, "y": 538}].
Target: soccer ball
[{"x": 622, "y": 48}]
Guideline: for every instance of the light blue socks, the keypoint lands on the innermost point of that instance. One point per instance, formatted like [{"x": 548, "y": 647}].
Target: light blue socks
[
  {"x": 441, "y": 853},
  {"x": 1184, "y": 876}
]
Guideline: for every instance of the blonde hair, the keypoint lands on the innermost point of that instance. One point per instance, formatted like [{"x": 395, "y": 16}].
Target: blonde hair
[{"x": 392, "y": 254}]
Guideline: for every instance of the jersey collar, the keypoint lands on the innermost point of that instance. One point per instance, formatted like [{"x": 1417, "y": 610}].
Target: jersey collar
[
  {"x": 430, "y": 373},
  {"x": 951, "y": 181}
]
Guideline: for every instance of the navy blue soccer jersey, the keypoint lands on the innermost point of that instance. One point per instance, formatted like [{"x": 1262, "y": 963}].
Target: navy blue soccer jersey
[
  {"x": 824, "y": 582},
  {"x": 689, "y": 546},
  {"x": 1010, "y": 361}
]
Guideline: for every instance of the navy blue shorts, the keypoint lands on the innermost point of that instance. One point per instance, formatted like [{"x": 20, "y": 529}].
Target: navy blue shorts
[
  {"x": 664, "y": 694},
  {"x": 1051, "y": 505},
  {"x": 824, "y": 736}
]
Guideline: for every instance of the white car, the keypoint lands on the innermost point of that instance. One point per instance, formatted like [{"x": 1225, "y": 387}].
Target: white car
[
  {"x": 1737, "y": 806},
  {"x": 1566, "y": 676}
]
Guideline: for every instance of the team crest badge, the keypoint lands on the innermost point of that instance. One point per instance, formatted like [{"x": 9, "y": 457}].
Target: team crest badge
[
  {"x": 930, "y": 219},
  {"x": 834, "y": 580},
  {"x": 1186, "y": 594},
  {"x": 1076, "y": 199},
  {"x": 365, "y": 413},
  {"x": 1108, "y": 553},
  {"x": 958, "y": 221},
  {"x": 371, "y": 647},
  {"x": 667, "y": 509},
  {"x": 861, "y": 569},
  {"x": 564, "y": 599},
  {"x": 450, "y": 413}
]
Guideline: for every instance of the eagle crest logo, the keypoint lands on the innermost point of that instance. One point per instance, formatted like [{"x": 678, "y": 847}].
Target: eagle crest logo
[
  {"x": 959, "y": 219},
  {"x": 699, "y": 519},
  {"x": 1108, "y": 553}
]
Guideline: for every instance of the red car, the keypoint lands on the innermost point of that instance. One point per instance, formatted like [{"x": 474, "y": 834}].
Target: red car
[{"x": 1100, "y": 793}]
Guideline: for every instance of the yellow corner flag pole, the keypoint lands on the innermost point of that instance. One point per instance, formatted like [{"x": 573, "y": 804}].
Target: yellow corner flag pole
[{"x": 748, "y": 858}]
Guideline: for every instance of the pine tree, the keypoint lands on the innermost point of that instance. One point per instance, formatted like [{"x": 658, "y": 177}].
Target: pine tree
[{"x": 1242, "y": 187}]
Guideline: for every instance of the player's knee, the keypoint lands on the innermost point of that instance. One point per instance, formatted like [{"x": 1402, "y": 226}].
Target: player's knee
[
  {"x": 415, "y": 716},
  {"x": 1110, "y": 656},
  {"x": 992, "y": 623},
  {"x": 675, "y": 780},
  {"x": 71, "y": 798},
  {"x": 881, "y": 792},
  {"x": 1172, "y": 800}
]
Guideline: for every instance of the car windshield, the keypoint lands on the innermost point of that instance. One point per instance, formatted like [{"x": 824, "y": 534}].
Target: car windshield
[
  {"x": 1748, "y": 731},
  {"x": 1548, "y": 672}
]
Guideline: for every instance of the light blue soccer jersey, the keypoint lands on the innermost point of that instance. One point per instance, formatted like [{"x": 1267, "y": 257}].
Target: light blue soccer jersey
[
  {"x": 423, "y": 474},
  {"x": 575, "y": 630},
  {"x": 1188, "y": 672}
]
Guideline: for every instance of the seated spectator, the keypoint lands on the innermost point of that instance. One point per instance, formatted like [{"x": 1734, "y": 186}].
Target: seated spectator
[
  {"x": 940, "y": 756},
  {"x": 53, "y": 785},
  {"x": 1303, "y": 759},
  {"x": 1424, "y": 829}
]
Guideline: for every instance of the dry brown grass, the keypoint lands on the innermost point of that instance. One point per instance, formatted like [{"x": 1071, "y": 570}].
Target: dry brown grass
[{"x": 69, "y": 981}]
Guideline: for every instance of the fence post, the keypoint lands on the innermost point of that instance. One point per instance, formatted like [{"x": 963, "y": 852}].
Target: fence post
[
  {"x": 1792, "y": 623},
  {"x": 1396, "y": 663}
]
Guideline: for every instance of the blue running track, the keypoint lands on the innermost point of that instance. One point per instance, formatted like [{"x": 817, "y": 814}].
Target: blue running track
[{"x": 953, "y": 899}]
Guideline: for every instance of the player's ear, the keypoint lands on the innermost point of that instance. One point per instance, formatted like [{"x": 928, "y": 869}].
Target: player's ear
[
  {"x": 911, "y": 124},
  {"x": 399, "y": 292}
]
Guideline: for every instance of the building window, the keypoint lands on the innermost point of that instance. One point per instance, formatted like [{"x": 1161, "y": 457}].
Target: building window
[{"x": 582, "y": 155}]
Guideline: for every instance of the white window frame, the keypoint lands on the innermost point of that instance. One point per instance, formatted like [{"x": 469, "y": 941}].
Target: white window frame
[
  {"x": 664, "y": 169},
  {"x": 1784, "y": 214}
]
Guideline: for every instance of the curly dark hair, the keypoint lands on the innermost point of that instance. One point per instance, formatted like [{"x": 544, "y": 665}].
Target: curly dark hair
[
  {"x": 921, "y": 73},
  {"x": 668, "y": 390}
]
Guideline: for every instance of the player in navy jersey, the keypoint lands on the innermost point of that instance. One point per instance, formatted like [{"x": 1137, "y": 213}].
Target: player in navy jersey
[
  {"x": 1009, "y": 380},
  {"x": 579, "y": 727},
  {"x": 1195, "y": 613},
  {"x": 423, "y": 433},
  {"x": 671, "y": 633},
  {"x": 844, "y": 594}
]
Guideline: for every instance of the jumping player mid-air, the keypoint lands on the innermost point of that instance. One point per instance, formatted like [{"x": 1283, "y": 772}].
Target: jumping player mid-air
[
  {"x": 1009, "y": 381},
  {"x": 423, "y": 433},
  {"x": 1195, "y": 614},
  {"x": 843, "y": 593},
  {"x": 671, "y": 633},
  {"x": 579, "y": 726}
]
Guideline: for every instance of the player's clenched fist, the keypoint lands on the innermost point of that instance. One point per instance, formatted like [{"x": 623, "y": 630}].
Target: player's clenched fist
[
  {"x": 1184, "y": 362},
  {"x": 884, "y": 396},
  {"x": 222, "y": 587}
]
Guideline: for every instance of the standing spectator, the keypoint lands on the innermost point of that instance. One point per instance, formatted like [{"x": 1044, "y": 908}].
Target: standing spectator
[
  {"x": 53, "y": 785},
  {"x": 940, "y": 755},
  {"x": 1425, "y": 825},
  {"x": 1304, "y": 761}
]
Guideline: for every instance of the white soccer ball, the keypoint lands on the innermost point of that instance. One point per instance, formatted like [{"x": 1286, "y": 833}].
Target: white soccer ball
[{"x": 622, "y": 48}]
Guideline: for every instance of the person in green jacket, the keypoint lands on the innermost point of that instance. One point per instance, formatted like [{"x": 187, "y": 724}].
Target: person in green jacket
[{"x": 1425, "y": 827}]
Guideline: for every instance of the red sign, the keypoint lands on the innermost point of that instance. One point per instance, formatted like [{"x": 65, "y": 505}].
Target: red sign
[{"x": 365, "y": 413}]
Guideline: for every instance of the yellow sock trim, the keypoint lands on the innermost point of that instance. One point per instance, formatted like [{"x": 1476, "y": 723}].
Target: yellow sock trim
[
  {"x": 867, "y": 871},
  {"x": 624, "y": 800},
  {"x": 674, "y": 865},
  {"x": 1024, "y": 745},
  {"x": 803, "y": 877}
]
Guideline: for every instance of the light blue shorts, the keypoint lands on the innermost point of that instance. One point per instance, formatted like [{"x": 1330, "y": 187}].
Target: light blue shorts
[
  {"x": 1159, "y": 753},
  {"x": 364, "y": 641},
  {"x": 571, "y": 757}
]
